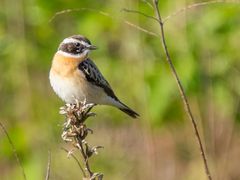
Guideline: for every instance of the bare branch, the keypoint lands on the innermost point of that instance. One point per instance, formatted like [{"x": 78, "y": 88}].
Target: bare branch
[
  {"x": 14, "y": 150},
  {"x": 196, "y": 5},
  {"x": 139, "y": 12},
  {"x": 48, "y": 166},
  {"x": 181, "y": 90},
  {"x": 104, "y": 14}
]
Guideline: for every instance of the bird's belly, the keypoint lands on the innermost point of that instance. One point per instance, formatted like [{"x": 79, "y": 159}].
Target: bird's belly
[{"x": 69, "y": 89}]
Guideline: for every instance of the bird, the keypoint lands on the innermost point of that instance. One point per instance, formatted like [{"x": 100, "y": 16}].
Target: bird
[{"x": 73, "y": 75}]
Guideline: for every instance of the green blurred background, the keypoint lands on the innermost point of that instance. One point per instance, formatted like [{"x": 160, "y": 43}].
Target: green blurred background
[{"x": 205, "y": 46}]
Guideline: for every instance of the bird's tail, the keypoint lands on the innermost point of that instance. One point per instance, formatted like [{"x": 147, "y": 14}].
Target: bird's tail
[{"x": 128, "y": 111}]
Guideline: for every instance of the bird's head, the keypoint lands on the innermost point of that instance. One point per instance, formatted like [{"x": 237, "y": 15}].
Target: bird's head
[{"x": 76, "y": 46}]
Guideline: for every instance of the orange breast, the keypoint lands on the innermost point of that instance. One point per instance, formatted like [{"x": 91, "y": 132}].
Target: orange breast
[{"x": 65, "y": 66}]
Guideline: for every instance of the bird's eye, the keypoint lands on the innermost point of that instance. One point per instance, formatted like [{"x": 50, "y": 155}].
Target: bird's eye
[{"x": 78, "y": 44}]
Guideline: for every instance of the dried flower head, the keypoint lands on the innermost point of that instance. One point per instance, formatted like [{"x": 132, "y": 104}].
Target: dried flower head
[{"x": 76, "y": 131}]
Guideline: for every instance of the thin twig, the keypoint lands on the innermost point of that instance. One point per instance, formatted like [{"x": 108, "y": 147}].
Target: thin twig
[
  {"x": 76, "y": 159},
  {"x": 148, "y": 3},
  {"x": 139, "y": 12},
  {"x": 104, "y": 14},
  {"x": 48, "y": 166},
  {"x": 77, "y": 10},
  {"x": 14, "y": 150},
  {"x": 195, "y": 5},
  {"x": 85, "y": 158},
  {"x": 181, "y": 90},
  {"x": 138, "y": 27},
  {"x": 141, "y": 29}
]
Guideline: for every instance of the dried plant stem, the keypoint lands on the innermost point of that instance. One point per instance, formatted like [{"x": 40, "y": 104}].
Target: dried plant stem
[
  {"x": 76, "y": 159},
  {"x": 14, "y": 150},
  {"x": 148, "y": 3},
  {"x": 139, "y": 12},
  {"x": 84, "y": 156},
  {"x": 104, "y": 14},
  {"x": 48, "y": 166},
  {"x": 76, "y": 131},
  {"x": 141, "y": 29},
  {"x": 195, "y": 5},
  {"x": 181, "y": 90}
]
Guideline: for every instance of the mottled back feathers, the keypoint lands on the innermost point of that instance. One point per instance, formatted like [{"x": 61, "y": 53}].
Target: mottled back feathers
[{"x": 94, "y": 76}]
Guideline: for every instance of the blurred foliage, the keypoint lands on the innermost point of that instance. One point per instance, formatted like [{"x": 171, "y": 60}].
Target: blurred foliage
[{"x": 204, "y": 44}]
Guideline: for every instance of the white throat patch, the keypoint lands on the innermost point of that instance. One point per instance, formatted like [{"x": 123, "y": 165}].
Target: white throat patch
[{"x": 82, "y": 55}]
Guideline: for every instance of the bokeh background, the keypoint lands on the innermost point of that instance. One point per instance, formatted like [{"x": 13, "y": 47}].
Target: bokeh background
[{"x": 204, "y": 43}]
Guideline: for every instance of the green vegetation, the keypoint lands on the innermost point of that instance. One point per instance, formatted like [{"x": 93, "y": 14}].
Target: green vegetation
[{"x": 204, "y": 45}]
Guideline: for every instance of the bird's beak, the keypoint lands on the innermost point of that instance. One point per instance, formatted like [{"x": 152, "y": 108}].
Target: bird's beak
[{"x": 92, "y": 47}]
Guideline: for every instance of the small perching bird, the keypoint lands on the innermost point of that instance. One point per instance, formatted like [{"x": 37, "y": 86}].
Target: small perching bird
[{"x": 74, "y": 76}]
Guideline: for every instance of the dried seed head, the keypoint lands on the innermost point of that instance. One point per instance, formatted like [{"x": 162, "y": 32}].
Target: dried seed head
[{"x": 76, "y": 131}]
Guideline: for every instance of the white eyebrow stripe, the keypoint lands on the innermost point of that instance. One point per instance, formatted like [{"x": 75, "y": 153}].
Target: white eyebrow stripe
[{"x": 71, "y": 40}]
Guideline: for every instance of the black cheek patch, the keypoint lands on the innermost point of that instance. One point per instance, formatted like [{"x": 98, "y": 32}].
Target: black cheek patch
[
  {"x": 72, "y": 48},
  {"x": 69, "y": 48}
]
